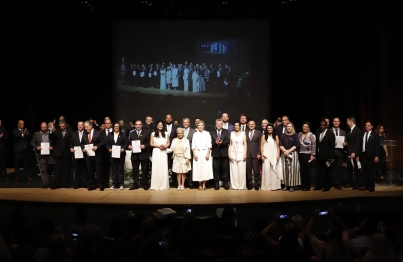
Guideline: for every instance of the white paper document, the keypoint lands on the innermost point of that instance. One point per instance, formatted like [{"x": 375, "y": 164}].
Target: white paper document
[
  {"x": 90, "y": 152},
  {"x": 45, "y": 148},
  {"x": 136, "y": 146},
  {"x": 339, "y": 141},
  {"x": 78, "y": 152},
  {"x": 116, "y": 151}
]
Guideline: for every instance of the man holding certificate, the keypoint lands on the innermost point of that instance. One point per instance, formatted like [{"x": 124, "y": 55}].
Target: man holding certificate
[
  {"x": 140, "y": 144},
  {"x": 42, "y": 143},
  {"x": 339, "y": 157},
  {"x": 90, "y": 142},
  {"x": 116, "y": 144}
]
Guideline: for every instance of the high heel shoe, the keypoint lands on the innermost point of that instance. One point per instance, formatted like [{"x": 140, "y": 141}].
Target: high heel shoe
[
  {"x": 200, "y": 188},
  {"x": 204, "y": 187}
]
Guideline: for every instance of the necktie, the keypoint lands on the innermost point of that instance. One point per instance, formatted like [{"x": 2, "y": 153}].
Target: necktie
[
  {"x": 89, "y": 137},
  {"x": 219, "y": 134},
  {"x": 337, "y": 132},
  {"x": 243, "y": 128},
  {"x": 64, "y": 133},
  {"x": 250, "y": 135},
  {"x": 138, "y": 133},
  {"x": 365, "y": 141},
  {"x": 80, "y": 135}
]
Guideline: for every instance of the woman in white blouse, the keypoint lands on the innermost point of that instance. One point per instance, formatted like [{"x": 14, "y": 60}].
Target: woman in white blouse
[
  {"x": 180, "y": 147},
  {"x": 201, "y": 147}
]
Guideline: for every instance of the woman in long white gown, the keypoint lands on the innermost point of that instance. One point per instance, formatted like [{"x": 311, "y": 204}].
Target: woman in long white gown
[
  {"x": 175, "y": 80},
  {"x": 168, "y": 77},
  {"x": 163, "y": 72},
  {"x": 202, "y": 164},
  {"x": 270, "y": 155},
  {"x": 195, "y": 77},
  {"x": 186, "y": 79},
  {"x": 237, "y": 158},
  {"x": 159, "y": 140}
]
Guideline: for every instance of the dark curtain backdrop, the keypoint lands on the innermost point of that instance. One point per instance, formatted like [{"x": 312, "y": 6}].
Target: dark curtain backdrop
[{"x": 328, "y": 58}]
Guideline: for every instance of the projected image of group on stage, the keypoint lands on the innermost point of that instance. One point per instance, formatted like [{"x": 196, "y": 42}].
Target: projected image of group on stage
[{"x": 164, "y": 63}]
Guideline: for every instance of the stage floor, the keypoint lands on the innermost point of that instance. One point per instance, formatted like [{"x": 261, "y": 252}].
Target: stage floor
[{"x": 142, "y": 197}]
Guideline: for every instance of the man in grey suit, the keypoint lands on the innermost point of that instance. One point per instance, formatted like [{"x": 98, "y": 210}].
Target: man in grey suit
[
  {"x": 338, "y": 154},
  {"x": 253, "y": 137},
  {"x": 188, "y": 133}
]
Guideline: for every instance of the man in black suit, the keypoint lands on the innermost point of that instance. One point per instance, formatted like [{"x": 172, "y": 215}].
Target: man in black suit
[
  {"x": 106, "y": 163},
  {"x": 62, "y": 155},
  {"x": 188, "y": 133},
  {"x": 140, "y": 134},
  {"x": 22, "y": 151},
  {"x": 170, "y": 128},
  {"x": 352, "y": 143},
  {"x": 80, "y": 165},
  {"x": 62, "y": 118},
  {"x": 338, "y": 154},
  {"x": 149, "y": 124},
  {"x": 243, "y": 120},
  {"x": 368, "y": 154},
  {"x": 220, "y": 139},
  {"x": 325, "y": 141},
  {"x": 3, "y": 151},
  {"x": 44, "y": 160},
  {"x": 280, "y": 128},
  {"x": 253, "y": 137},
  {"x": 94, "y": 158},
  {"x": 225, "y": 124}
]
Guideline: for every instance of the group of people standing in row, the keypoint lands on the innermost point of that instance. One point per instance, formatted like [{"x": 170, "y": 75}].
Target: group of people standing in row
[{"x": 238, "y": 155}]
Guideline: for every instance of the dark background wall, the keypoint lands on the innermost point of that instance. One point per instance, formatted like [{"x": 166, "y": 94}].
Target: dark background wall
[{"x": 328, "y": 58}]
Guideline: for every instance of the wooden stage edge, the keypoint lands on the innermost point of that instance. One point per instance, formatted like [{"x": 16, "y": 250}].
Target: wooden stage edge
[{"x": 172, "y": 197}]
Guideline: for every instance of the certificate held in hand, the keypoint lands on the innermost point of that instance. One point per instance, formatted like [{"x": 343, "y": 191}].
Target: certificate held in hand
[
  {"x": 45, "y": 148},
  {"x": 90, "y": 152},
  {"x": 116, "y": 151},
  {"x": 136, "y": 146}
]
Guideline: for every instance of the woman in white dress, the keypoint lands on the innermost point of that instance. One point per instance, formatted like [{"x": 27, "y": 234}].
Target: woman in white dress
[
  {"x": 181, "y": 157},
  {"x": 237, "y": 158},
  {"x": 269, "y": 147},
  {"x": 195, "y": 77},
  {"x": 202, "y": 164},
  {"x": 186, "y": 79},
  {"x": 175, "y": 80},
  {"x": 159, "y": 140},
  {"x": 163, "y": 73},
  {"x": 169, "y": 77}
]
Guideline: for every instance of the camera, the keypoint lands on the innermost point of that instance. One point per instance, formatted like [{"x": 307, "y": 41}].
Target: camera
[
  {"x": 74, "y": 234},
  {"x": 189, "y": 209},
  {"x": 283, "y": 216},
  {"x": 161, "y": 242},
  {"x": 324, "y": 213}
]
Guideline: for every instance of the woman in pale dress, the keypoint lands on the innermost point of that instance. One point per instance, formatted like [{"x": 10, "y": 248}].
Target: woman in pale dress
[
  {"x": 181, "y": 157},
  {"x": 237, "y": 157},
  {"x": 201, "y": 81},
  {"x": 202, "y": 164},
  {"x": 159, "y": 141},
  {"x": 175, "y": 80},
  {"x": 163, "y": 73},
  {"x": 195, "y": 77},
  {"x": 186, "y": 79},
  {"x": 270, "y": 155},
  {"x": 169, "y": 77}
]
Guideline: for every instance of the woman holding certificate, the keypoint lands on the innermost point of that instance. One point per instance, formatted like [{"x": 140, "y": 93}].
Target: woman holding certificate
[{"x": 117, "y": 143}]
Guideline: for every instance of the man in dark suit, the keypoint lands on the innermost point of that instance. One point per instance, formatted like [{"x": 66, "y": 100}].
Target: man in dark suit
[
  {"x": 149, "y": 124},
  {"x": 80, "y": 165},
  {"x": 188, "y": 133},
  {"x": 3, "y": 151},
  {"x": 62, "y": 118},
  {"x": 281, "y": 128},
  {"x": 94, "y": 158},
  {"x": 22, "y": 151},
  {"x": 253, "y": 137},
  {"x": 170, "y": 128},
  {"x": 325, "y": 141},
  {"x": 368, "y": 154},
  {"x": 338, "y": 154},
  {"x": 265, "y": 122},
  {"x": 220, "y": 139},
  {"x": 352, "y": 143},
  {"x": 243, "y": 120},
  {"x": 142, "y": 157},
  {"x": 62, "y": 155},
  {"x": 225, "y": 124},
  {"x": 106, "y": 163},
  {"x": 44, "y": 160}
]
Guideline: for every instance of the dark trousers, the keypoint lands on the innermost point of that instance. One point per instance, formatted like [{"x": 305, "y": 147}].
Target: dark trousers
[
  {"x": 3, "y": 169},
  {"x": 367, "y": 165},
  {"x": 338, "y": 170},
  {"x": 106, "y": 169},
  {"x": 44, "y": 163},
  {"x": 21, "y": 159},
  {"x": 118, "y": 174},
  {"x": 94, "y": 167},
  {"x": 252, "y": 164},
  {"x": 144, "y": 172},
  {"x": 305, "y": 170},
  {"x": 220, "y": 166},
  {"x": 323, "y": 174},
  {"x": 353, "y": 173},
  {"x": 381, "y": 169},
  {"x": 80, "y": 173},
  {"x": 62, "y": 172}
]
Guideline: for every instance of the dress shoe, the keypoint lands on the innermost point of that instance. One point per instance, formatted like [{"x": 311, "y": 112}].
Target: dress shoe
[
  {"x": 256, "y": 186},
  {"x": 317, "y": 188},
  {"x": 363, "y": 188},
  {"x": 226, "y": 185},
  {"x": 191, "y": 186},
  {"x": 16, "y": 179},
  {"x": 306, "y": 189},
  {"x": 325, "y": 189},
  {"x": 134, "y": 187},
  {"x": 371, "y": 189},
  {"x": 91, "y": 188},
  {"x": 54, "y": 187},
  {"x": 355, "y": 187},
  {"x": 146, "y": 187},
  {"x": 29, "y": 178},
  {"x": 338, "y": 187},
  {"x": 348, "y": 185},
  {"x": 217, "y": 186},
  {"x": 75, "y": 187},
  {"x": 101, "y": 189}
]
